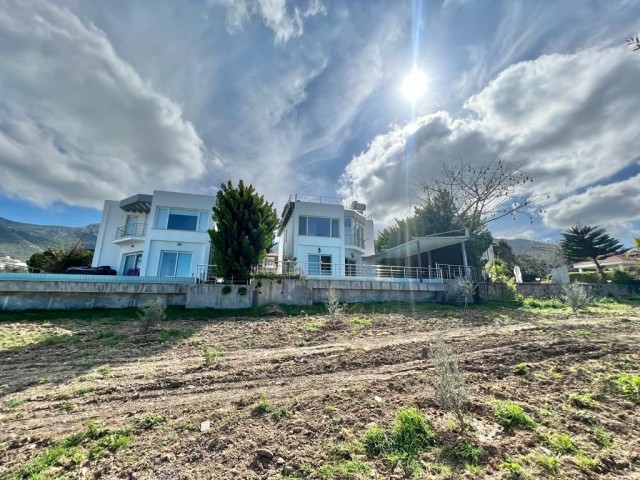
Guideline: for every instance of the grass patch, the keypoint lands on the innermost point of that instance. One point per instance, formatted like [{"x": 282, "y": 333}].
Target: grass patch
[
  {"x": 560, "y": 442},
  {"x": 511, "y": 415},
  {"x": 513, "y": 469},
  {"x": 402, "y": 444},
  {"x": 151, "y": 420},
  {"x": 311, "y": 326},
  {"x": 522, "y": 369},
  {"x": 584, "y": 462},
  {"x": 14, "y": 403},
  {"x": 264, "y": 407},
  {"x": 210, "y": 355},
  {"x": 359, "y": 323},
  {"x": 465, "y": 453},
  {"x": 549, "y": 463},
  {"x": 583, "y": 400},
  {"x": 110, "y": 443},
  {"x": 109, "y": 338},
  {"x": 345, "y": 470},
  {"x": 602, "y": 437},
  {"x": 104, "y": 370},
  {"x": 173, "y": 334},
  {"x": 628, "y": 385}
]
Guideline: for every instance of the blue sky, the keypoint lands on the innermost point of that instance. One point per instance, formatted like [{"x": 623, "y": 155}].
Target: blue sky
[{"x": 102, "y": 100}]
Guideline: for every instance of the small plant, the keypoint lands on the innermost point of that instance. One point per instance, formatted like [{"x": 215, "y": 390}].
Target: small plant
[
  {"x": 110, "y": 442},
  {"x": 152, "y": 314},
  {"x": 242, "y": 291},
  {"x": 69, "y": 406},
  {"x": 334, "y": 308},
  {"x": 602, "y": 437},
  {"x": 576, "y": 296},
  {"x": 344, "y": 470},
  {"x": 151, "y": 420},
  {"x": 628, "y": 385},
  {"x": 264, "y": 407},
  {"x": 210, "y": 355},
  {"x": 466, "y": 453},
  {"x": 582, "y": 400},
  {"x": 585, "y": 462},
  {"x": 466, "y": 287},
  {"x": 14, "y": 403},
  {"x": 172, "y": 334},
  {"x": 451, "y": 393},
  {"x": 226, "y": 290},
  {"x": 560, "y": 442},
  {"x": 375, "y": 441},
  {"x": 549, "y": 463},
  {"x": 522, "y": 369},
  {"x": 104, "y": 370},
  {"x": 514, "y": 469},
  {"x": 511, "y": 415}
]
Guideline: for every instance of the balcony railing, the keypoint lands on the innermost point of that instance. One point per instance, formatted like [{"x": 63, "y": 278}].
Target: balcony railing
[
  {"x": 299, "y": 197},
  {"x": 131, "y": 230},
  {"x": 353, "y": 240}
]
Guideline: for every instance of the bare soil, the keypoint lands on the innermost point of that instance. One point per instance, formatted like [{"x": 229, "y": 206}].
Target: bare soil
[{"x": 323, "y": 388}]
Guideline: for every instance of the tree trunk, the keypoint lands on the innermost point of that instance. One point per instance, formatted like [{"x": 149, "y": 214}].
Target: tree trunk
[{"x": 603, "y": 277}]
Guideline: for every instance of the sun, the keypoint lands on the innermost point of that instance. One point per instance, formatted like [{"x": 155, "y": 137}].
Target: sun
[{"x": 414, "y": 85}]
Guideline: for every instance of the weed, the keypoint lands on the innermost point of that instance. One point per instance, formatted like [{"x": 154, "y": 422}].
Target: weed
[
  {"x": 110, "y": 442},
  {"x": 576, "y": 296},
  {"x": 560, "y": 442},
  {"x": 465, "y": 453},
  {"x": 628, "y": 385},
  {"x": 451, "y": 393},
  {"x": 264, "y": 407},
  {"x": 210, "y": 355},
  {"x": 522, "y": 369},
  {"x": 69, "y": 406},
  {"x": 582, "y": 400},
  {"x": 514, "y": 469},
  {"x": 109, "y": 338},
  {"x": 585, "y": 462},
  {"x": 152, "y": 314},
  {"x": 549, "y": 463},
  {"x": 511, "y": 415},
  {"x": 375, "y": 441},
  {"x": 173, "y": 334},
  {"x": 602, "y": 437},
  {"x": 14, "y": 403},
  {"x": 151, "y": 420},
  {"x": 466, "y": 288},
  {"x": 41, "y": 380},
  {"x": 104, "y": 370},
  {"x": 359, "y": 323},
  {"x": 311, "y": 326}
]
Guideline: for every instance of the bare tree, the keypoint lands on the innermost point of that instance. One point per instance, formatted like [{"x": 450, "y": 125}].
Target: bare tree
[{"x": 483, "y": 194}]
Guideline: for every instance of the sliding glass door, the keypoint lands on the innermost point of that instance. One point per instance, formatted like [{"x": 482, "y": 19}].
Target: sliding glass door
[{"x": 175, "y": 264}]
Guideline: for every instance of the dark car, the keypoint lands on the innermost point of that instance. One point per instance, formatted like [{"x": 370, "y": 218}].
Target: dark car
[{"x": 102, "y": 270}]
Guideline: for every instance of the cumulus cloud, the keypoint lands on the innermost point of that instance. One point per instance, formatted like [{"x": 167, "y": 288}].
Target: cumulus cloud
[
  {"x": 77, "y": 123},
  {"x": 572, "y": 117},
  {"x": 284, "y": 19}
]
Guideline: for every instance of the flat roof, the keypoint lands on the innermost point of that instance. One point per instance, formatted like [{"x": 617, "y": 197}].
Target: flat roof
[
  {"x": 140, "y": 203},
  {"x": 416, "y": 246}
]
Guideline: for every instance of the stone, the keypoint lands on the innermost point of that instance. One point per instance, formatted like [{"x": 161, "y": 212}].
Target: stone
[
  {"x": 265, "y": 454},
  {"x": 205, "y": 426}
]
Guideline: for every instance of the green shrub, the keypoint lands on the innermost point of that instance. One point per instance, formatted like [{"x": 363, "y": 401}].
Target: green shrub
[
  {"x": 621, "y": 277},
  {"x": 226, "y": 290},
  {"x": 242, "y": 291},
  {"x": 511, "y": 415},
  {"x": 152, "y": 314},
  {"x": 584, "y": 277},
  {"x": 576, "y": 296}
]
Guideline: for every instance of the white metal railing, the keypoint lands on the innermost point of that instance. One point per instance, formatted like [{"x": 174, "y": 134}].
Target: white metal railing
[
  {"x": 131, "y": 230},
  {"x": 298, "y": 197},
  {"x": 316, "y": 270}
]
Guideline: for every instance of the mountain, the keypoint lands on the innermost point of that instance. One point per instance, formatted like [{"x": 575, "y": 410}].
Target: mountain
[{"x": 21, "y": 240}]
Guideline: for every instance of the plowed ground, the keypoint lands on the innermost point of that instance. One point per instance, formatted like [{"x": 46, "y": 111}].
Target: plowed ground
[{"x": 321, "y": 387}]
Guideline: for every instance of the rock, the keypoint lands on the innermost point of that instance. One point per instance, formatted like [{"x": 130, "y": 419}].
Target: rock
[
  {"x": 274, "y": 311},
  {"x": 265, "y": 454},
  {"x": 288, "y": 470},
  {"x": 377, "y": 399},
  {"x": 205, "y": 426},
  {"x": 280, "y": 461}
]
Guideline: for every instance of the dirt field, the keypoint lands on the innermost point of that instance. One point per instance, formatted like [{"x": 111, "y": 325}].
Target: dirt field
[{"x": 290, "y": 397}]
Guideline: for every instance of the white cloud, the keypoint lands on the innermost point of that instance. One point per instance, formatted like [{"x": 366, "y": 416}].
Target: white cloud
[
  {"x": 572, "y": 117},
  {"x": 285, "y": 21},
  {"x": 77, "y": 123}
]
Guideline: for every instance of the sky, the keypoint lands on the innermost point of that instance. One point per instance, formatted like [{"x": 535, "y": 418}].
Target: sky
[{"x": 103, "y": 100}]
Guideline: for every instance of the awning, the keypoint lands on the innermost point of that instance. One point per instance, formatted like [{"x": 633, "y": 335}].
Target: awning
[
  {"x": 413, "y": 247},
  {"x": 140, "y": 203}
]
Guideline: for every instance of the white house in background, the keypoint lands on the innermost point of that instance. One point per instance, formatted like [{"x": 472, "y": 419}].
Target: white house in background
[
  {"x": 164, "y": 234},
  {"x": 614, "y": 262},
  {"x": 324, "y": 236}
]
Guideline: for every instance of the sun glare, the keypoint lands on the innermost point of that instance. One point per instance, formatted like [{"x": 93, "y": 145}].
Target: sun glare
[{"x": 414, "y": 85}]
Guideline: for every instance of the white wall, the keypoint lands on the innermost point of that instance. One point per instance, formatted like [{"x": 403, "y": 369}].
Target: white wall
[{"x": 106, "y": 252}]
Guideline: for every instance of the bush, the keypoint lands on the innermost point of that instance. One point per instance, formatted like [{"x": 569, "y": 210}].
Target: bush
[
  {"x": 451, "y": 393},
  {"x": 152, "y": 314},
  {"x": 576, "y": 296},
  {"x": 334, "y": 308},
  {"x": 226, "y": 290},
  {"x": 620, "y": 277},
  {"x": 242, "y": 291},
  {"x": 584, "y": 277}
]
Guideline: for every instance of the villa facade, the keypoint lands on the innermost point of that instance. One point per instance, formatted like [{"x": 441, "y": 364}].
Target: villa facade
[{"x": 159, "y": 235}]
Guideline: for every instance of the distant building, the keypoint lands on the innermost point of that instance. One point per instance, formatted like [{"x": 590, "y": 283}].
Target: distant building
[
  {"x": 164, "y": 234},
  {"x": 614, "y": 262}
]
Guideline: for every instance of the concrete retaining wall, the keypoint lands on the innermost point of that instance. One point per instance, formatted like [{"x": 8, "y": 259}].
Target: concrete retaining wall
[
  {"x": 53, "y": 295},
  {"x": 492, "y": 291},
  {"x": 23, "y": 295}
]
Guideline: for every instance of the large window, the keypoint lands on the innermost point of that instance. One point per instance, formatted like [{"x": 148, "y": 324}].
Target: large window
[
  {"x": 175, "y": 264},
  {"x": 319, "y": 227},
  {"x": 180, "y": 219},
  {"x": 131, "y": 264},
  {"x": 353, "y": 232}
]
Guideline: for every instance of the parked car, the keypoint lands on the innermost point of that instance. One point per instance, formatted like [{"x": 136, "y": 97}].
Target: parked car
[{"x": 102, "y": 270}]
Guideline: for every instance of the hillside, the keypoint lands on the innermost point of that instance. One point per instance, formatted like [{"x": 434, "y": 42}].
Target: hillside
[
  {"x": 21, "y": 240},
  {"x": 531, "y": 247}
]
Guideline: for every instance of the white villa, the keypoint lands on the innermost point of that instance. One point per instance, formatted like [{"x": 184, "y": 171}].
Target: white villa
[{"x": 164, "y": 234}]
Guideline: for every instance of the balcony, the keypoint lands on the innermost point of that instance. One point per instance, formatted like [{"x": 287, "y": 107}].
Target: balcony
[
  {"x": 353, "y": 241},
  {"x": 133, "y": 230}
]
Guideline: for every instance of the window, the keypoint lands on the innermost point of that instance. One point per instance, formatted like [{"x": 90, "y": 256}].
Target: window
[
  {"x": 131, "y": 264},
  {"x": 181, "y": 219},
  {"x": 353, "y": 232},
  {"x": 175, "y": 264},
  {"x": 319, "y": 227},
  {"x": 319, "y": 264}
]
